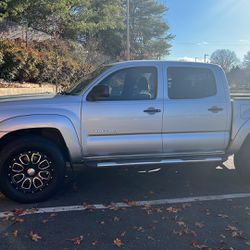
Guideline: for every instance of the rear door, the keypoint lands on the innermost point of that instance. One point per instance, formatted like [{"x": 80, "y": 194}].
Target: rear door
[
  {"x": 196, "y": 118},
  {"x": 129, "y": 121}
]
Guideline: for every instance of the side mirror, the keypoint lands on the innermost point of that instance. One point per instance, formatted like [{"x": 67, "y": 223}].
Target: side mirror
[{"x": 98, "y": 92}]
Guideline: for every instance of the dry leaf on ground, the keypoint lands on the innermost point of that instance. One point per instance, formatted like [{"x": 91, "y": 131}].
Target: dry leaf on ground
[
  {"x": 199, "y": 246},
  {"x": 173, "y": 210},
  {"x": 112, "y": 206},
  {"x": 15, "y": 233},
  {"x": 117, "y": 242},
  {"x": 77, "y": 240},
  {"x": 18, "y": 211},
  {"x": 199, "y": 224},
  {"x": 131, "y": 203},
  {"x": 235, "y": 232},
  {"x": 35, "y": 237}
]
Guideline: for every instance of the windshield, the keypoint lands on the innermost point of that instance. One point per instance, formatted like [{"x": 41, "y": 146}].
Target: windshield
[{"x": 85, "y": 81}]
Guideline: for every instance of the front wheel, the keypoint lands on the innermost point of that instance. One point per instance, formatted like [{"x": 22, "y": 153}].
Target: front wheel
[{"x": 32, "y": 169}]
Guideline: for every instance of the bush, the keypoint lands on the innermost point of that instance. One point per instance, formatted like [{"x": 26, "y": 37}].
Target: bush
[{"x": 47, "y": 61}]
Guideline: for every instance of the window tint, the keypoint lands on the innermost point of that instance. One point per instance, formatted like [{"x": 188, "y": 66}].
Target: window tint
[
  {"x": 190, "y": 83},
  {"x": 138, "y": 83}
]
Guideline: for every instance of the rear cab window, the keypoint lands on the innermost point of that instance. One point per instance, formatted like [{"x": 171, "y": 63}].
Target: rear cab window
[{"x": 190, "y": 83}]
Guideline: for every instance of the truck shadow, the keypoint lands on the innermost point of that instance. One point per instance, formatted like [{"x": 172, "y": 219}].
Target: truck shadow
[{"x": 117, "y": 184}]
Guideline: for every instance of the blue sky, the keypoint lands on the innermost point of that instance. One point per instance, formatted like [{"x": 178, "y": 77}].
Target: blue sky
[{"x": 202, "y": 26}]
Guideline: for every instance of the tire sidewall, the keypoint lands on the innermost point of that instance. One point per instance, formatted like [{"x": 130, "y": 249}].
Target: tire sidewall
[{"x": 37, "y": 144}]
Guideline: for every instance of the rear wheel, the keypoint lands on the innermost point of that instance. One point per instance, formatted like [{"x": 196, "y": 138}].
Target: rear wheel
[
  {"x": 32, "y": 169},
  {"x": 242, "y": 160}
]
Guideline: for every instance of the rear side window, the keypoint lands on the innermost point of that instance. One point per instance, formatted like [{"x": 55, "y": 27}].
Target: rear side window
[{"x": 190, "y": 83}]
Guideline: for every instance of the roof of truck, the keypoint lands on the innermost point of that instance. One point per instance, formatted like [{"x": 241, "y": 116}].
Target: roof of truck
[{"x": 163, "y": 61}]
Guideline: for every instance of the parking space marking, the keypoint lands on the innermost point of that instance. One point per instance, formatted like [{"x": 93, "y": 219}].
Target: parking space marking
[{"x": 125, "y": 205}]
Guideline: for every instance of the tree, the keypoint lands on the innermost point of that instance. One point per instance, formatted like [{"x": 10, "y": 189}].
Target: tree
[
  {"x": 103, "y": 22},
  {"x": 246, "y": 62},
  {"x": 225, "y": 58},
  {"x": 149, "y": 31},
  {"x": 66, "y": 18}
]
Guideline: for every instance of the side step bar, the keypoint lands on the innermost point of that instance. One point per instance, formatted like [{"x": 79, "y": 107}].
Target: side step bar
[{"x": 163, "y": 161}]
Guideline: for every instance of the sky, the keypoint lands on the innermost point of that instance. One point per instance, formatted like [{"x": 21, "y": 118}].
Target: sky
[{"x": 202, "y": 26}]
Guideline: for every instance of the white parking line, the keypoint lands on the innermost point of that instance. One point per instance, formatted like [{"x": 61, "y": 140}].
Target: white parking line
[{"x": 125, "y": 205}]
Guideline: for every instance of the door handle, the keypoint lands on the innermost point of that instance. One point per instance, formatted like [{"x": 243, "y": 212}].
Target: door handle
[
  {"x": 152, "y": 110},
  {"x": 215, "y": 109}
]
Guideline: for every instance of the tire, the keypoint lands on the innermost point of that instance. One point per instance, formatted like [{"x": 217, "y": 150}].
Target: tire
[
  {"x": 31, "y": 169},
  {"x": 242, "y": 160}
]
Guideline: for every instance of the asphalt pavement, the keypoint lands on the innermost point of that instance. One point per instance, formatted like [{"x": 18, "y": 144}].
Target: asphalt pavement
[{"x": 190, "y": 206}]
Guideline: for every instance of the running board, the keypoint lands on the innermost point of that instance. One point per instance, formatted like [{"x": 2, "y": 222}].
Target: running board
[{"x": 166, "y": 161}]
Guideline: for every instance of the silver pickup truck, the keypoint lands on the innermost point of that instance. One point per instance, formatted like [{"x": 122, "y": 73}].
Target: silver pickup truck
[{"x": 130, "y": 113}]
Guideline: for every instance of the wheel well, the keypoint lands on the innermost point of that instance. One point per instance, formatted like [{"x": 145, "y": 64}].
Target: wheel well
[{"x": 51, "y": 134}]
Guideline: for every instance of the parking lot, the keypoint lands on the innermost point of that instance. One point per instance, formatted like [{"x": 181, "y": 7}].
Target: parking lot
[{"x": 172, "y": 207}]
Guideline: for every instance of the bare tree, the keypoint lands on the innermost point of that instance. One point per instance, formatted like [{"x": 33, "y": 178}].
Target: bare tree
[
  {"x": 227, "y": 59},
  {"x": 246, "y": 62}
]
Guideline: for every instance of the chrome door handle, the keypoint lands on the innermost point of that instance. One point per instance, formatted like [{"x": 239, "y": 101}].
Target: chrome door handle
[
  {"x": 152, "y": 110},
  {"x": 215, "y": 109}
]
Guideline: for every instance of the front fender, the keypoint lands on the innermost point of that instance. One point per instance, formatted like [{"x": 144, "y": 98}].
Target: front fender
[
  {"x": 60, "y": 122},
  {"x": 239, "y": 138}
]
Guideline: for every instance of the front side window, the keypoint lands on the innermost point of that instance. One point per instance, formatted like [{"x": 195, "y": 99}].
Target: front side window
[
  {"x": 138, "y": 83},
  {"x": 190, "y": 83}
]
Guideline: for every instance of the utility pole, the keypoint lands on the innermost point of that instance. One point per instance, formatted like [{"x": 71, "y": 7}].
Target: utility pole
[
  {"x": 128, "y": 32},
  {"x": 205, "y": 57}
]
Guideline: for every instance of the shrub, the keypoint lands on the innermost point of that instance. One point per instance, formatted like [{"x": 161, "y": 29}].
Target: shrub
[{"x": 53, "y": 62}]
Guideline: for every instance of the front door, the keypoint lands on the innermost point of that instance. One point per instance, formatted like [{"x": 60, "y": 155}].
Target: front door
[{"x": 129, "y": 121}]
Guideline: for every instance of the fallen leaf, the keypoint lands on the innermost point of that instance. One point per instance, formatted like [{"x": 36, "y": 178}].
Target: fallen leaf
[
  {"x": 224, "y": 216},
  {"x": 34, "y": 236},
  {"x": 112, "y": 206},
  {"x": 207, "y": 211},
  {"x": 94, "y": 243},
  {"x": 15, "y": 233},
  {"x": 6, "y": 234},
  {"x": 146, "y": 206},
  {"x": 118, "y": 242},
  {"x": 19, "y": 220},
  {"x": 45, "y": 221},
  {"x": 139, "y": 229},
  {"x": 131, "y": 203},
  {"x": 123, "y": 234},
  {"x": 173, "y": 210},
  {"x": 199, "y": 246},
  {"x": 181, "y": 223},
  {"x": 223, "y": 236},
  {"x": 199, "y": 224},
  {"x": 186, "y": 205},
  {"x": 116, "y": 219},
  {"x": 158, "y": 210},
  {"x": 248, "y": 243},
  {"x": 18, "y": 211},
  {"x": 77, "y": 240},
  {"x": 193, "y": 233},
  {"x": 2, "y": 196},
  {"x": 150, "y": 237},
  {"x": 235, "y": 232},
  {"x": 88, "y": 207}
]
